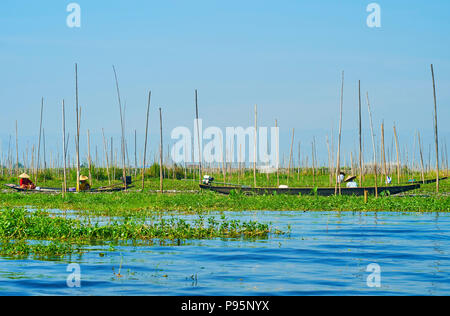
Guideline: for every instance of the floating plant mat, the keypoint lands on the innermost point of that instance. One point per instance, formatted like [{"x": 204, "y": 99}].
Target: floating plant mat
[{"x": 61, "y": 233}]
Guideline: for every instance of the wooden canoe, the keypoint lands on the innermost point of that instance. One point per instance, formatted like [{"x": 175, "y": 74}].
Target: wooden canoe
[
  {"x": 428, "y": 181},
  {"x": 113, "y": 188},
  {"x": 311, "y": 191}
]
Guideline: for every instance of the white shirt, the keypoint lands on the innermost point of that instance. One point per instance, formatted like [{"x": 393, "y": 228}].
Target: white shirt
[{"x": 352, "y": 184}]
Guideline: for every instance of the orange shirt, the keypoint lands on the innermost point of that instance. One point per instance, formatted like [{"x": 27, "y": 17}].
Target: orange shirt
[{"x": 25, "y": 183}]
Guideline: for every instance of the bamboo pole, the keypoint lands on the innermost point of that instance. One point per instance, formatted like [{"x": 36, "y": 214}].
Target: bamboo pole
[
  {"x": 45, "y": 161},
  {"x": 89, "y": 157},
  {"x": 398, "y": 155},
  {"x": 39, "y": 144},
  {"x": 135, "y": 154},
  {"x": 373, "y": 143},
  {"x": 255, "y": 140},
  {"x": 78, "y": 128},
  {"x": 338, "y": 161},
  {"x": 17, "y": 151},
  {"x": 198, "y": 137},
  {"x": 313, "y": 156},
  {"x": 278, "y": 154},
  {"x": 106, "y": 156},
  {"x": 360, "y": 135},
  {"x": 383, "y": 152},
  {"x": 446, "y": 160},
  {"x": 435, "y": 130},
  {"x": 330, "y": 180},
  {"x": 145, "y": 143},
  {"x": 298, "y": 162},
  {"x": 421, "y": 158},
  {"x": 124, "y": 171},
  {"x": 64, "y": 148},
  {"x": 290, "y": 156},
  {"x": 160, "y": 153}
]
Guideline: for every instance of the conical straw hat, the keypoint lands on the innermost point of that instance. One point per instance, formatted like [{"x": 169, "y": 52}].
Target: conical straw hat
[
  {"x": 83, "y": 178},
  {"x": 24, "y": 176},
  {"x": 350, "y": 178}
]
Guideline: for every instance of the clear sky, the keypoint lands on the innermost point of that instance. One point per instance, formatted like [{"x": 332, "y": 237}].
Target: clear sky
[{"x": 284, "y": 56}]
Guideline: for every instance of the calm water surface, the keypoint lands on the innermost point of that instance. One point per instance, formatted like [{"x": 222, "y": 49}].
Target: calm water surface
[{"x": 326, "y": 253}]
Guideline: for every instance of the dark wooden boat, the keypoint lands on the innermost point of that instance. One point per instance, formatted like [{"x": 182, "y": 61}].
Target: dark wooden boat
[
  {"x": 426, "y": 181},
  {"x": 113, "y": 188},
  {"x": 311, "y": 191}
]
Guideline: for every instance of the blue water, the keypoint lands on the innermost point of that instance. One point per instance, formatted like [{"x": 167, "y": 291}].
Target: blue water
[{"x": 326, "y": 253}]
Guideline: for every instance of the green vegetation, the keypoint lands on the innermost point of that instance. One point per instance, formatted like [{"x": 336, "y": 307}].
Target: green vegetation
[
  {"x": 132, "y": 203},
  {"x": 177, "y": 178},
  {"x": 19, "y": 226},
  {"x": 146, "y": 217}
]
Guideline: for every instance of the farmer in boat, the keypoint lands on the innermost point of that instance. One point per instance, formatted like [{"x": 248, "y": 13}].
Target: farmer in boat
[
  {"x": 351, "y": 183},
  {"x": 25, "y": 182},
  {"x": 341, "y": 177},
  {"x": 84, "y": 185}
]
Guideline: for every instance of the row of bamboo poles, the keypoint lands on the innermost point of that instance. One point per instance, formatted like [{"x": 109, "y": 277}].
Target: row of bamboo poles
[{"x": 378, "y": 166}]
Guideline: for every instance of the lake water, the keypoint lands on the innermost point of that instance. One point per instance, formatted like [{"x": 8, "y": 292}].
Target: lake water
[{"x": 326, "y": 253}]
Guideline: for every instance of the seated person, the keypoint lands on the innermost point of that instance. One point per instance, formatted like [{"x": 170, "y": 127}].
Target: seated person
[
  {"x": 388, "y": 180},
  {"x": 341, "y": 177},
  {"x": 84, "y": 185},
  {"x": 25, "y": 182},
  {"x": 352, "y": 184}
]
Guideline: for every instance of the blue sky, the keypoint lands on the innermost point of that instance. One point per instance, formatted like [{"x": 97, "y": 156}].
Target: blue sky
[{"x": 285, "y": 56}]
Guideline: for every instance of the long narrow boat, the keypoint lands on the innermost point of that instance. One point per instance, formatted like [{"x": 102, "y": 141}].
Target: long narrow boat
[
  {"x": 426, "y": 181},
  {"x": 311, "y": 191},
  {"x": 59, "y": 190}
]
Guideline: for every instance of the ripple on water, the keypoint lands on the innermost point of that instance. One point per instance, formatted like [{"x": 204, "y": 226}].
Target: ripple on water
[{"x": 325, "y": 253}]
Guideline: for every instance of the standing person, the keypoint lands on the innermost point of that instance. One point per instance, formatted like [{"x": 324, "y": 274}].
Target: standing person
[{"x": 25, "y": 182}]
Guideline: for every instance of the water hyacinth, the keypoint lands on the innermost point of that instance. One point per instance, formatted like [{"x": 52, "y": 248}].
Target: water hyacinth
[{"x": 19, "y": 225}]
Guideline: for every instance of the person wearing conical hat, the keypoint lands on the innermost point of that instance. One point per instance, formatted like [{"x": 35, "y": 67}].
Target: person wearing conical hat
[
  {"x": 25, "y": 182},
  {"x": 84, "y": 185}
]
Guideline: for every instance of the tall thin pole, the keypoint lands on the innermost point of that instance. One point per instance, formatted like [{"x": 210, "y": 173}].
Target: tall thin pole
[
  {"x": 383, "y": 151},
  {"x": 106, "y": 156},
  {"x": 198, "y": 137},
  {"x": 329, "y": 163},
  {"x": 373, "y": 144},
  {"x": 278, "y": 153},
  {"x": 435, "y": 130},
  {"x": 145, "y": 143},
  {"x": 64, "y": 146},
  {"x": 124, "y": 172},
  {"x": 421, "y": 158},
  {"x": 78, "y": 128},
  {"x": 398, "y": 155},
  {"x": 135, "y": 154},
  {"x": 89, "y": 157},
  {"x": 17, "y": 151},
  {"x": 338, "y": 161},
  {"x": 360, "y": 135},
  {"x": 255, "y": 140},
  {"x": 39, "y": 144},
  {"x": 313, "y": 156},
  {"x": 160, "y": 153},
  {"x": 290, "y": 155}
]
